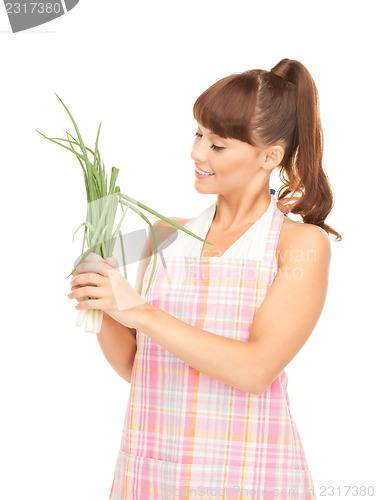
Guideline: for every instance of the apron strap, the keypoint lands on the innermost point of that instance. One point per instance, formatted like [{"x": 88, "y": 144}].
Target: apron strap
[{"x": 274, "y": 231}]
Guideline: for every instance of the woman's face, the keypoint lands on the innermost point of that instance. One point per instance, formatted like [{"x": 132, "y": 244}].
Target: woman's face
[{"x": 235, "y": 164}]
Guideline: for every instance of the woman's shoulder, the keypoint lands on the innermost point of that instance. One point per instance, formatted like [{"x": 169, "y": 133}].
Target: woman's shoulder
[
  {"x": 177, "y": 220},
  {"x": 298, "y": 237},
  {"x": 163, "y": 235}
]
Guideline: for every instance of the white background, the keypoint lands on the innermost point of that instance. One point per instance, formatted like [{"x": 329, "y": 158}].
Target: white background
[{"x": 138, "y": 67}]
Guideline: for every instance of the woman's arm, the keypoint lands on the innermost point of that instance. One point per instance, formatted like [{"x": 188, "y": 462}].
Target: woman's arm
[
  {"x": 117, "y": 341},
  {"x": 280, "y": 328},
  {"x": 118, "y": 344},
  {"x": 295, "y": 300}
]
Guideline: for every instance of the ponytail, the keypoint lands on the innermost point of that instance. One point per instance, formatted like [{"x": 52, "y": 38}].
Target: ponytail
[{"x": 303, "y": 171}]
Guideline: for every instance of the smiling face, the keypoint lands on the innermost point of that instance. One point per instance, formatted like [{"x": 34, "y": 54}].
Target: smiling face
[{"x": 236, "y": 164}]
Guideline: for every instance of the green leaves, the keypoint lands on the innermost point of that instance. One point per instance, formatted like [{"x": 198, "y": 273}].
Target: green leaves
[{"x": 104, "y": 200}]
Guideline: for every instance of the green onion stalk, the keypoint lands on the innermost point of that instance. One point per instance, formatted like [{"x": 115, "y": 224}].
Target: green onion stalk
[{"x": 103, "y": 201}]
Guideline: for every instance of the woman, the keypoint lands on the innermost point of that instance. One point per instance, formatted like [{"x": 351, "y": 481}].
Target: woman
[{"x": 208, "y": 414}]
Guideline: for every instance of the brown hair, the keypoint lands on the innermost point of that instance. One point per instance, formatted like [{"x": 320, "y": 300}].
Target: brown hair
[{"x": 263, "y": 108}]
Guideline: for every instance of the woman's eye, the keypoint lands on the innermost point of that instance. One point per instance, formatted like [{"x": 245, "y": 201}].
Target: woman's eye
[{"x": 213, "y": 146}]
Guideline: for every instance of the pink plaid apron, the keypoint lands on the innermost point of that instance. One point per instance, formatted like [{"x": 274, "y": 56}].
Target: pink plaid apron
[{"x": 187, "y": 435}]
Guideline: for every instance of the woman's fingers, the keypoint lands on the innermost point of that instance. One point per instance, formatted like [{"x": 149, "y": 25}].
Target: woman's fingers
[
  {"x": 92, "y": 257},
  {"x": 90, "y": 275},
  {"x": 86, "y": 291},
  {"x": 92, "y": 263},
  {"x": 111, "y": 261},
  {"x": 94, "y": 266},
  {"x": 88, "y": 279}
]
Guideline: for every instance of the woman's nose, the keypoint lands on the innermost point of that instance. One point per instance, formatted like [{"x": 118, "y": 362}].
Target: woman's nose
[{"x": 197, "y": 153}]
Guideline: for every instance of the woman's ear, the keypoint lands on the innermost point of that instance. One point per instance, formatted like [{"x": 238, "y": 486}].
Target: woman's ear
[{"x": 274, "y": 156}]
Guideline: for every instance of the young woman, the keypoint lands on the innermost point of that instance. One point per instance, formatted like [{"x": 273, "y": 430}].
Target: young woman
[{"x": 205, "y": 350}]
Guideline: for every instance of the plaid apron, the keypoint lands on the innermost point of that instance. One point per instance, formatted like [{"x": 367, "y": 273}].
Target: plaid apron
[{"x": 187, "y": 435}]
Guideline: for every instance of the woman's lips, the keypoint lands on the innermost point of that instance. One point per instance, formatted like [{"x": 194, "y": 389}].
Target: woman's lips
[
  {"x": 202, "y": 176},
  {"x": 210, "y": 173}
]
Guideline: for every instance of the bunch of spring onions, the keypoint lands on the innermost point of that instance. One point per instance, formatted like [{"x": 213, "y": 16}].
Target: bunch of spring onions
[{"x": 103, "y": 202}]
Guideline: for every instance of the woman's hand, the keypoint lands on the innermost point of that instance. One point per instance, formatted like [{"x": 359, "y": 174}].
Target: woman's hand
[{"x": 107, "y": 289}]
